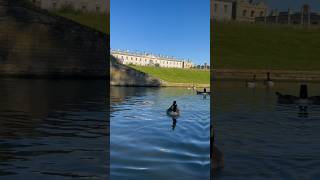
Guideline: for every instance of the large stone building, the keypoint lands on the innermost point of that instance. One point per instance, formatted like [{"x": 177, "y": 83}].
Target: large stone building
[
  {"x": 145, "y": 59},
  {"x": 304, "y": 16},
  {"x": 222, "y": 9},
  {"x": 99, "y": 6},
  {"x": 239, "y": 10}
]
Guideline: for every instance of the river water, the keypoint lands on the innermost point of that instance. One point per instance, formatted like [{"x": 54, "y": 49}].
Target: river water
[
  {"x": 262, "y": 139},
  {"x": 53, "y": 129},
  {"x": 147, "y": 144}
]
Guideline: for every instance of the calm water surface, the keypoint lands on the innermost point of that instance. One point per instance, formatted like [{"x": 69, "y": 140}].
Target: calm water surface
[
  {"x": 53, "y": 129},
  {"x": 147, "y": 144},
  {"x": 262, "y": 139}
]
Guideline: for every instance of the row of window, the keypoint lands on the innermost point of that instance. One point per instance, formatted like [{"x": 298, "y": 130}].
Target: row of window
[
  {"x": 244, "y": 12},
  {"x": 225, "y": 8},
  {"x": 252, "y": 14},
  {"x": 145, "y": 60}
]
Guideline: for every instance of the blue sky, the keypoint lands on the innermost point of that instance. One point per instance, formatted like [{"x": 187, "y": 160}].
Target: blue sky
[
  {"x": 294, "y": 4},
  {"x": 179, "y": 28}
]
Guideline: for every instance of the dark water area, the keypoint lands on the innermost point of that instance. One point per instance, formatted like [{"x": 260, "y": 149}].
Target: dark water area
[
  {"x": 147, "y": 144},
  {"x": 262, "y": 139},
  {"x": 53, "y": 129}
]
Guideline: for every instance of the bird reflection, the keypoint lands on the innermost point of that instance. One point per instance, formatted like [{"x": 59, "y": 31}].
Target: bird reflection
[
  {"x": 174, "y": 123},
  {"x": 303, "y": 112}
]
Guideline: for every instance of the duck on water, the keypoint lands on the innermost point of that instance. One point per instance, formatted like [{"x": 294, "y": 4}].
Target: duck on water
[
  {"x": 251, "y": 84},
  {"x": 302, "y": 99},
  {"x": 268, "y": 82},
  {"x": 203, "y": 92},
  {"x": 173, "y": 110}
]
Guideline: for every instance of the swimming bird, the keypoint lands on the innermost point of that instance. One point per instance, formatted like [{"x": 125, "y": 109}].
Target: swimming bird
[
  {"x": 173, "y": 110},
  {"x": 303, "y": 99},
  {"x": 204, "y": 92},
  {"x": 251, "y": 84},
  {"x": 269, "y": 82}
]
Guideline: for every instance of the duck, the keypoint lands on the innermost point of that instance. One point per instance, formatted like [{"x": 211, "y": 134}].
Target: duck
[
  {"x": 203, "y": 92},
  {"x": 173, "y": 110},
  {"x": 268, "y": 82},
  {"x": 303, "y": 99},
  {"x": 251, "y": 84}
]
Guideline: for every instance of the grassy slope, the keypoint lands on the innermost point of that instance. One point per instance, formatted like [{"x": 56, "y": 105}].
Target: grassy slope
[
  {"x": 174, "y": 75},
  {"x": 249, "y": 46},
  {"x": 100, "y": 22}
]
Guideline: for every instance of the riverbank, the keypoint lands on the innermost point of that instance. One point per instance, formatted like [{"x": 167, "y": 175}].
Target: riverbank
[
  {"x": 275, "y": 75},
  {"x": 177, "y": 76}
]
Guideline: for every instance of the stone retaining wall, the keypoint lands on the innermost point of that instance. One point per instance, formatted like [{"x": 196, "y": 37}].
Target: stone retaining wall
[
  {"x": 34, "y": 42},
  {"x": 121, "y": 75},
  {"x": 276, "y": 75}
]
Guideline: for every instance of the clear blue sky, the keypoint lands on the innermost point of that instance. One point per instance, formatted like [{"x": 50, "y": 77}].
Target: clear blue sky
[{"x": 179, "y": 28}]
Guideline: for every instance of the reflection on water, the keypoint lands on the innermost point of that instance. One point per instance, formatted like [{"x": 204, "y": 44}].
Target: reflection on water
[
  {"x": 53, "y": 129},
  {"x": 262, "y": 139},
  {"x": 147, "y": 144}
]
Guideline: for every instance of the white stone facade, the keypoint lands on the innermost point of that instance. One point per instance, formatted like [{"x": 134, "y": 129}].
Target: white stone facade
[
  {"x": 145, "y": 59},
  {"x": 221, "y": 9},
  {"x": 239, "y": 10},
  {"x": 98, "y": 6}
]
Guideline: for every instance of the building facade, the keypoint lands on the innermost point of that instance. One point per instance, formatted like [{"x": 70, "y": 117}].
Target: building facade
[
  {"x": 221, "y": 9},
  {"x": 146, "y": 59},
  {"x": 248, "y": 10},
  {"x": 304, "y": 16},
  {"x": 97, "y": 6},
  {"x": 239, "y": 10}
]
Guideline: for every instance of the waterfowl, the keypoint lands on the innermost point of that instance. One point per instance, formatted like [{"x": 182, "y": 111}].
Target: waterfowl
[
  {"x": 173, "y": 110},
  {"x": 268, "y": 82},
  {"x": 203, "y": 92},
  {"x": 251, "y": 84},
  {"x": 303, "y": 99}
]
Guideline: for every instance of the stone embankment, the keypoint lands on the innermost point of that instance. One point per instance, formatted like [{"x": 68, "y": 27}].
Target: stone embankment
[
  {"x": 121, "y": 75},
  {"x": 36, "y": 43},
  {"x": 275, "y": 75}
]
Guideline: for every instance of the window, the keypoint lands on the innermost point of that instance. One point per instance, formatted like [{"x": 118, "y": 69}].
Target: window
[
  {"x": 244, "y": 13},
  {"x": 84, "y": 7},
  {"x": 261, "y": 13},
  {"x": 54, "y": 4},
  {"x": 225, "y": 9},
  {"x": 252, "y": 13},
  {"x": 215, "y": 7}
]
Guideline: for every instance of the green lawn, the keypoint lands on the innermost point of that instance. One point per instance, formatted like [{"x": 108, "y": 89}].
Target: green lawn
[
  {"x": 100, "y": 22},
  {"x": 175, "y": 75},
  {"x": 252, "y": 46}
]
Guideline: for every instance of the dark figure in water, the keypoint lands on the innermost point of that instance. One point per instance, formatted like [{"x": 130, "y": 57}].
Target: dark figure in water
[
  {"x": 302, "y": 99},
  {"x": 174, "y": 123},
  {"x": 204, "y": 90},
  {"x": 173, "y": 107}
]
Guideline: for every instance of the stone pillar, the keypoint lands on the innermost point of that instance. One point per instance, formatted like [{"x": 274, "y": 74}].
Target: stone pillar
[
  {"x": 289, "y": 16},
  {"x": 277, "y": 16},
  {"x": 309, "y": 15},
  {"x": 265, "y": 16},
  {"x": 302, "y": 16}
]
